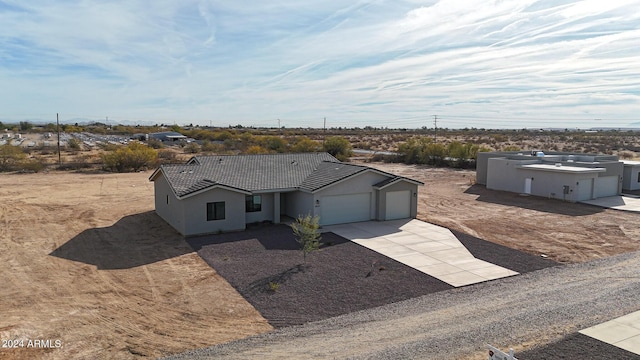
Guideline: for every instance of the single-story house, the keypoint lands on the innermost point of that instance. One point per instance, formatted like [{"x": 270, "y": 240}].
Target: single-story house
[
  {"x": 210, "y": 194},
  {"x": 567, "y": 176}
]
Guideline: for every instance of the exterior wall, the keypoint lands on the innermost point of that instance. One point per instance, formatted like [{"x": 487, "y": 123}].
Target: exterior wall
[
  {"x": 298, "y": 203},
  {"x": 609, "y": 162},
  {"x": 196, "y": 212},
  {"x": 630, "y": 178},
  {"x": 267, "y": 210},
  {"x": 551, "y": 184},
  {"x": 173, "y": 212},
  {"x": 506, "y": 175},
  {"x": 381, "y": 196},
  {"x": 482, "y": 164},
  {"x": 361, "y": 183}
]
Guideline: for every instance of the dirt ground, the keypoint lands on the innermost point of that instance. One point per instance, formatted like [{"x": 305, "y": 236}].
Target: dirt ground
[
  {"x": 86, "y": 262},
  {"x": 565, "y": 232}
]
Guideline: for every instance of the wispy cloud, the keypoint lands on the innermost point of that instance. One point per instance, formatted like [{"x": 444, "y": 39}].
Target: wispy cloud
[{"x": 379, "y": 62}]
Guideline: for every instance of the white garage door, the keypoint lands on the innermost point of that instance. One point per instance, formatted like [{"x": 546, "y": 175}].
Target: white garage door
[
  {"x": 340, "y": 209},
  {"x": 584, "y": 189},
  {"x": 606, "y": 186},
  {"x": 398, "y": 205}
]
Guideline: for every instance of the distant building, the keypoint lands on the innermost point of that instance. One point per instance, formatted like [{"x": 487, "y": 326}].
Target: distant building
[
  {"x": 567, "y": 176},
  {"x": 167, "y": 136},
  {"x": 140, "y": 137}
]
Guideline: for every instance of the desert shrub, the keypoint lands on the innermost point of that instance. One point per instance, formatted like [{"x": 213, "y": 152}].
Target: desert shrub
[
  {"x": 80, "y": 162},
  {"x": 208, "y": 146},
  {"x": 257, "y": 149},
  {"x": 73, "y": 144},
  {"x": 304, "y": 144},
  {"x": 155, "y": 144},
  {"x": 192, "y": 148},
  {"x": 167, "y": 157},
  {"x": 11, "y": 157},
  {"x": 338, "y": 146},
  {"x": 132, "y": 157},
  {"x": 422, "y": 150},
  {"x": 32, "y": 165},
  {"x": 511, "y": 148},
  {"x": 275, "y": 144}
]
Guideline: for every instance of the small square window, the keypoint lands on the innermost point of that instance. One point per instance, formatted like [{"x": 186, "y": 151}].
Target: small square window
[
  {"x": 254, "y": 203},
  {"x": 215, "y": 211}
]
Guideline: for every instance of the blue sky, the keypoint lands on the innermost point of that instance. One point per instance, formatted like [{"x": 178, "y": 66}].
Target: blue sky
[{"x": 473, "y": 63}]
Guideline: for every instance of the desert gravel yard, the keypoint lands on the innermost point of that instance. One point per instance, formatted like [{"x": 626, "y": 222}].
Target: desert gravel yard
[
  {"x": 524, "y": 312},
  {"x": 266, "y": 266}
]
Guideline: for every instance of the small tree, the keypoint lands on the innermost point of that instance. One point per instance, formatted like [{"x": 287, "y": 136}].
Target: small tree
[{"x": 307, "y": 234}]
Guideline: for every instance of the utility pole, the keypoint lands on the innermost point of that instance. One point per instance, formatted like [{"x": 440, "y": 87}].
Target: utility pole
[
  {"x": 58, "y": 131},
  {"x": 435, "y": 125},
  {"x": 324, "y": 134}
]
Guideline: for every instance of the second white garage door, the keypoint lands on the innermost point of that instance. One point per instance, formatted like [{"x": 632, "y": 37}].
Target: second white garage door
[
  {"x": 398, "y": 205},
  {"x": 606, "y": 186},
  {"x": 341, "y": 209}
]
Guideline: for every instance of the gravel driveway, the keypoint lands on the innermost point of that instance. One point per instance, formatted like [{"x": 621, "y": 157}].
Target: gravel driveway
[{"x": 519, "y": 312}]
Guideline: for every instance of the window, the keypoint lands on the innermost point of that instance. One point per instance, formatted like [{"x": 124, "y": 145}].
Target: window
[
  {"x": 639, "y": 177},
  {"x": 254, "y": 203},
  {"x": 167, "y": 199},
  {"x": 215, "y": 211}
]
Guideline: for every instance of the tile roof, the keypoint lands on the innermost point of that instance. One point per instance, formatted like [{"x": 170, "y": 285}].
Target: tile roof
[
  {"x": 255, "y": 173},
  {"x": 329, "y": 172}
]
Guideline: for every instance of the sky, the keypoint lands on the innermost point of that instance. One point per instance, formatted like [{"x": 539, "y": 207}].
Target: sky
[{"x": 380, "y": 63}]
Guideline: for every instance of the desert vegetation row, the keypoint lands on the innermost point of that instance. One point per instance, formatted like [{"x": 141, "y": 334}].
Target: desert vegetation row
[{"x": 451, "y": 147}]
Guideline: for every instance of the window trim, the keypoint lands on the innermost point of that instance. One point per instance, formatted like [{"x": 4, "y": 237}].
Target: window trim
[{"x": 213, "y": 209}]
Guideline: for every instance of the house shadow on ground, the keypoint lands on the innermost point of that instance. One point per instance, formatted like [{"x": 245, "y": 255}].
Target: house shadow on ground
[
  {"x": 132, "y": 241},
  {"x": 530, "y": 202}
]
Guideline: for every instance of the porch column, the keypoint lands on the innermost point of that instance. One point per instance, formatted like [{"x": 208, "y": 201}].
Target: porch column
[{"x": 276, "y": 208}]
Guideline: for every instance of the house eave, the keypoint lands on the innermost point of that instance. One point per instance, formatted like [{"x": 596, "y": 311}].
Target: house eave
[{"x": 268, "y": 191}]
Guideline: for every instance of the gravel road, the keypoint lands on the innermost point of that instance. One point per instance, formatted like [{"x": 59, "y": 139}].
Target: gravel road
[{"x": 518, "y": 312}]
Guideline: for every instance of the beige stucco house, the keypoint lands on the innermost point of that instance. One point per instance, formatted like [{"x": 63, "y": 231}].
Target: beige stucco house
[{"x": 211, "y": 194}]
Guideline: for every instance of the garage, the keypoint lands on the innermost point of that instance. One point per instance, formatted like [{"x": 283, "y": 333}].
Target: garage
[
  {"x": 346, "y": 208},
  {"x": 398, "y": 205},
  {"x": 585, "y": 188},
  {"x": 606, "y": 186}
]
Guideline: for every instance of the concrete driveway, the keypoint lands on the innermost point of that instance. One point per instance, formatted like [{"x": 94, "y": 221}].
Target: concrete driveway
[
  {"x": 620, "y": 202},
  {"x": 429, "y": 248}
]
